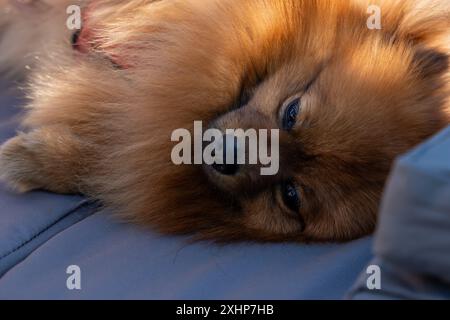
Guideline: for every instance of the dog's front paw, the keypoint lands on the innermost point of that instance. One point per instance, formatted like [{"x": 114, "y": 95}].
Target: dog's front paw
[
  {"x": 46, "y": 158},
  {"x": 18, "y": 166}
]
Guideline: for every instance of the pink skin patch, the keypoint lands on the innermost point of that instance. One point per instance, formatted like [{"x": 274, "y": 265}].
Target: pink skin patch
[{"x": 86, "y": 40}]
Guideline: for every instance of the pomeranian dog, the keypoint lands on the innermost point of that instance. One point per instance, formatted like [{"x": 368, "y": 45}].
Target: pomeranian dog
[{"x": 346, "y": 99}]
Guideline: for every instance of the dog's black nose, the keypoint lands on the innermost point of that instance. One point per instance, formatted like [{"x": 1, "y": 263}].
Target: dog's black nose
[
  {"x": 230, "y": 144},
  {"x": 226, "y": 169}
]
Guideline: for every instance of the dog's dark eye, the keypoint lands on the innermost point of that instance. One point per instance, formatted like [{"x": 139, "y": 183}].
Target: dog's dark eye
[
  {"x": 290, "y": 196},
  {"x": 290, "y": 114}
]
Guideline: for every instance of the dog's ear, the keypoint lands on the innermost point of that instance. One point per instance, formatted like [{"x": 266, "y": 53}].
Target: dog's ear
[
  {"x": 430, "y": 62},
  {"x": 423, "y": 25},
  {"x": 420, "y": 22}
]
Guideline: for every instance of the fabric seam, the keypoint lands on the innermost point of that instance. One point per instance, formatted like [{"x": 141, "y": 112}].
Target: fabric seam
[{"x": 24, "y": 243}]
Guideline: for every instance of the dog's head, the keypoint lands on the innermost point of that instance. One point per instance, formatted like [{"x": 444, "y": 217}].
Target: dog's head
[{"x": 345, "y": 99}]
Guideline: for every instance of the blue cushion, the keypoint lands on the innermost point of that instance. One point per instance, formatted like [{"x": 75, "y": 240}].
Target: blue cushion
[{"x": 413, "y": 238}]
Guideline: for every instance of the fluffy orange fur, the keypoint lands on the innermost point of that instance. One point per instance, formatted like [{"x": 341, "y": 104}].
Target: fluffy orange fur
[{"x": 105, "y": 131}]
